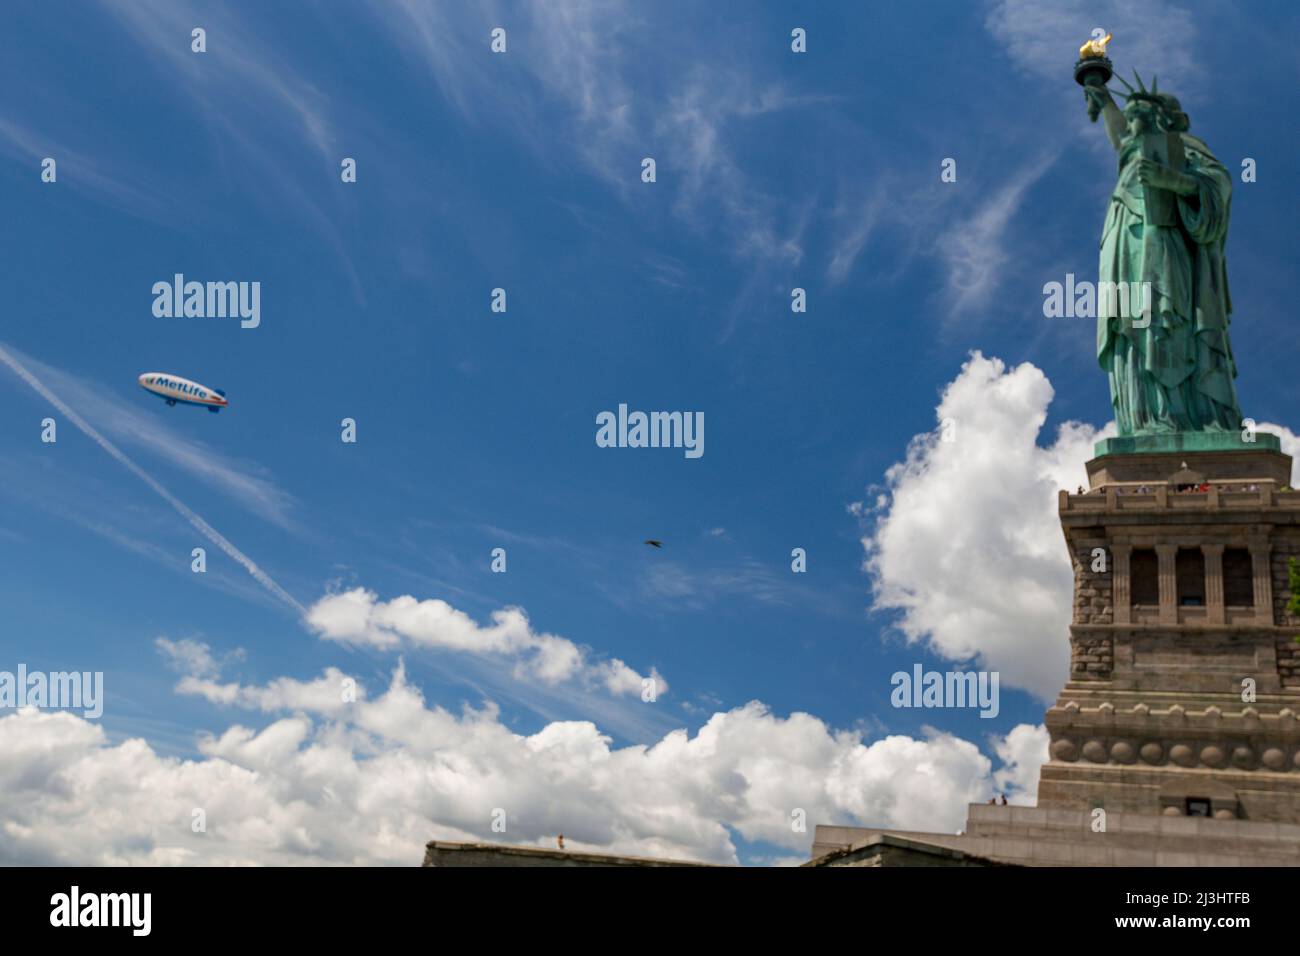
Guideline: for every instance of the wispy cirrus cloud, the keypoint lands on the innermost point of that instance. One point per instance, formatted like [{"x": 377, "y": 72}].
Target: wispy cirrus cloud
[
  {"x": 196, "y": 521},
  {"x": 977, "y": 248},
  {"x": 696, "y": 588},
  {"x": 90, "y": 176},
  {"x": 255, "y": 100},
  {"x": 247, "y": 483},
  {"x": 1043, "y": 39},
  {"x": 585, "y": 62},
  {"x": 971, "y": 234},
  {"x": 251, "y": 70}
]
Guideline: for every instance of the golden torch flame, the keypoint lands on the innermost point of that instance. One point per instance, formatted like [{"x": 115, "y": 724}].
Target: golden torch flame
[{"x": 1094, "y": 48}]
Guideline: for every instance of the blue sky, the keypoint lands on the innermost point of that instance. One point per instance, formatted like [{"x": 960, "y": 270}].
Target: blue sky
[{"x": 775, "y": 170}]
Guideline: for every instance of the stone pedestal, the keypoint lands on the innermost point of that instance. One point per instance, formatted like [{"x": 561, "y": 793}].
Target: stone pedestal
[
  {"x": 1176, "y": 740},
  {"x": 1184, "y": 691},
  {"x": 1038, "y": 836}
]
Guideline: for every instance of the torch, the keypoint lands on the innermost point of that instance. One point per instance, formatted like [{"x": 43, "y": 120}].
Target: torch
[{"x": 1094, "y": 68}]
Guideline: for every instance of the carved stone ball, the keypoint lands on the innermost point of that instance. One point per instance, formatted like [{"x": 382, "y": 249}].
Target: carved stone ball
[
  {"x": 1065, "y": 749},
  {"x": 1095, "y": 751},
  {"x": 1212, "y": 756}
]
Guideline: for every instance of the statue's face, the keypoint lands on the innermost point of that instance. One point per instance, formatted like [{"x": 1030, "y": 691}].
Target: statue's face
[{"x": 1140, "y": 117}]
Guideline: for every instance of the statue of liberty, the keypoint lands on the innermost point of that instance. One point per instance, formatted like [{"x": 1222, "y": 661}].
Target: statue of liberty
[{"x": 1170, "y": 363}]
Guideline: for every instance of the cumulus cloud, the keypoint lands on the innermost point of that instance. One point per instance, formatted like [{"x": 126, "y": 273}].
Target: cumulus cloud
[
  {"x": 1023, "y": 752},
  {"x": 188, "y": 656},
  {"x": 965, "y": 542},
  {"x": 371, "y": 781},
  {"x": 330, "y": 694},
  {"x": 1290, "y": 442},
  {"x": 358, "y": 617}
]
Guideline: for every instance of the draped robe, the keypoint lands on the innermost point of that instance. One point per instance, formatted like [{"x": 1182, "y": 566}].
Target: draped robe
[{"x": 1176, "y": 374}]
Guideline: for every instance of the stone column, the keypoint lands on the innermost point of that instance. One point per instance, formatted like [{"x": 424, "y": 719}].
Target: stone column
[
  {"x": 1168, "y": 583},
  {"x": 1121, "y": 596},
  {"x": 1214, "y": 612},
  {"x": 1260, "y": 565}
]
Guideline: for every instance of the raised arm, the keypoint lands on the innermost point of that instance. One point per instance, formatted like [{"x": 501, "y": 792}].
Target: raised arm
[{"x": 1100, "y": 101}]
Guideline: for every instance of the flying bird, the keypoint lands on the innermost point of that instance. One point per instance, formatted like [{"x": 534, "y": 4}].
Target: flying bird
[{"x": 653, "y": 543}]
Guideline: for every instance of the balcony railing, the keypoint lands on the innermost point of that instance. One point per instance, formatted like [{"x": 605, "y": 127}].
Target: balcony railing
[{"x": 1145, "y": 496}]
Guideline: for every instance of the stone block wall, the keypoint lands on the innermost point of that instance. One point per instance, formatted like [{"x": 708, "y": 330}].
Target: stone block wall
[
  {"x": 1286, "y": 546},
  {"x": 1092, "y": 589},
  {"x": 1092, "y": 656}
]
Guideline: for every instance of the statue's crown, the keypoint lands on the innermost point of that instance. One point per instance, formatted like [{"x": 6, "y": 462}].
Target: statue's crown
[{"x": 1164, "y": 103}]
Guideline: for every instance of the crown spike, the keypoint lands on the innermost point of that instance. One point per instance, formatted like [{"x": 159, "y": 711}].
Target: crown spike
[
  {"x": 1141, "y": 85},
  {"x": 1125, "y": 82},
  {"x": 1153, "y": 85}
]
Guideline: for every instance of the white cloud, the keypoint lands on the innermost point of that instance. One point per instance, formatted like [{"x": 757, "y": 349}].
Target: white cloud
[
  {"x": 1290, "y": 442},
  {"x": 358, "y": 617},
  {"x": 371, "y": 782},
  {"x": 189, "y": 656},
  {"x": 1023, "y": 752},
  {"x": 325, "y": 695},
  {"x": 966, "y": 542}
]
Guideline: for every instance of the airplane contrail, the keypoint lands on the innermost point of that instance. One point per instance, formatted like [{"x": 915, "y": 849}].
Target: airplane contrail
[{"x": 205, "y": 529}]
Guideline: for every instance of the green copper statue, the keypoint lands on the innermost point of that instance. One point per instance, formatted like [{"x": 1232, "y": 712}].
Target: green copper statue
[{"x": 1170, "y": 363}]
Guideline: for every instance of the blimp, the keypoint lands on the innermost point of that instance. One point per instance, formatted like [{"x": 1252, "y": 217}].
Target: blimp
[{"x": 173, "y": 389}]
